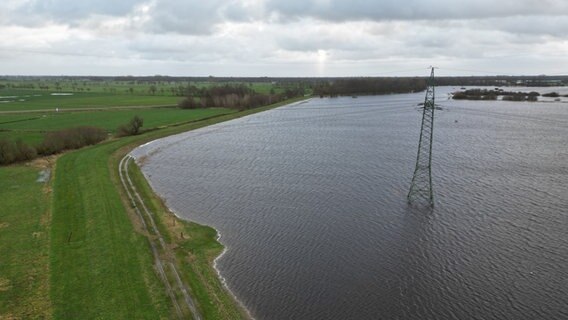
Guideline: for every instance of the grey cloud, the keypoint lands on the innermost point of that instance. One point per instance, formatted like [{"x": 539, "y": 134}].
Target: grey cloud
[
  {"x": 378, "y": 10},
  {"x": 313, "y": 45},
  {"x": 198, "y": 17},
  {"x": 555, "y": 26},
  {"x": 310, "y": 41},
  {"x": 162, "y": 16},
  {"x": 185, "y": 17},
  {"x": 68, "y": 11},
  {"x": 221, "y": 36},
  {"x": 177, "y": 47},
  {"x": 202, "y": 17}
]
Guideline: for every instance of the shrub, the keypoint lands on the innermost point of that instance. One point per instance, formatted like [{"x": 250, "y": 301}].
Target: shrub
[
  {"x": 460, "y": 96},
  {"x": 515, "y": 97},
  {"x": 53, "y": 142},
  {"x": 188, "y": 103},
  {"x": 489, "y": 97},
  {"x": 532, "y": 98},
  {"x": 72, "y": 138},
  {"x": 11, "y": 151},
  {"x": 131, "y": 128},
  {"x": 7, "y": 151},
  {"x": 551, "y": 95},
  {"x": 25, "y": 152}
]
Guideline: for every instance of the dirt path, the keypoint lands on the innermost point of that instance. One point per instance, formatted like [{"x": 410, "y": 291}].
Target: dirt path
[
  {"x": 53, "y": 110},
  {"x": 167, "y": 270}
]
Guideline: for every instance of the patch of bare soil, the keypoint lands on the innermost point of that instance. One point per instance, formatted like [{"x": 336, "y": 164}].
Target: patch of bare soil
[{"x": 5, "y": 284}]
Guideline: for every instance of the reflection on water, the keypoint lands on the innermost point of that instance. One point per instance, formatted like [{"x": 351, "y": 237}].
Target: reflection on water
[{"x": 310, "y": 200}]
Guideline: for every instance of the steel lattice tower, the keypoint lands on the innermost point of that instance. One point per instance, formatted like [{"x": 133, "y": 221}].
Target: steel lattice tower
[{"x": 421, "y": 187}]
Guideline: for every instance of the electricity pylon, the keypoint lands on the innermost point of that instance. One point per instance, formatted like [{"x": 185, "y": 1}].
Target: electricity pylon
[{"x": 421, "y": 187}]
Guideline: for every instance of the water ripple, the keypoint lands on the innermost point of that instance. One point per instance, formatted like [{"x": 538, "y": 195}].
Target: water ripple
[{"x": 310, "y": 200}]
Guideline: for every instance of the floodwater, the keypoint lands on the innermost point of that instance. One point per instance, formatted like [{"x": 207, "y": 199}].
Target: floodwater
[{"x": 310, "y": 200}]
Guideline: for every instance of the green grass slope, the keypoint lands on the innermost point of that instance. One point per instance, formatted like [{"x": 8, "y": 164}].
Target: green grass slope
[{"x": 100, "y": 267}]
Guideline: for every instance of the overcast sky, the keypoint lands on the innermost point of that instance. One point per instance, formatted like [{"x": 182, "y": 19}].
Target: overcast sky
[{"x": 283, "y": 37}]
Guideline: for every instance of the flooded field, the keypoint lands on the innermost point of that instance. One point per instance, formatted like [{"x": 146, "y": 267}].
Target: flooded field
[{"x": 310, "y": 200}]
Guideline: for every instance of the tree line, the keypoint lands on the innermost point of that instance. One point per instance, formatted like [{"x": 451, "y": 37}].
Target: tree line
[
  {"x": 58, "y": 141},
  {"x": 53, "y": 142},
  {"x": 486, "y": 94},
  {"x": 368, "y": 86},
  {"x": 234, "y": 96}
]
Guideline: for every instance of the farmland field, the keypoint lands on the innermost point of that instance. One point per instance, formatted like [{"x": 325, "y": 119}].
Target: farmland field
[
  {"x": 23, "y": 100},
  {"x": 29, "y": 127},
  {"x": 51, "y": 94}
]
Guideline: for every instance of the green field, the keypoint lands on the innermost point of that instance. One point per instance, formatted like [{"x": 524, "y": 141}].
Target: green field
[
  {"x": 24, "y": 244},
  {"x": 108, "y": 120},
  {"x": 72, "y": 248},
  {"x": 28, "y": 109},
  {"x": 32, "y": 138},
  {"x": 38, "y": 94},
  {"x": 25, "y": 100},
  {"x": 30, "y": 127}
]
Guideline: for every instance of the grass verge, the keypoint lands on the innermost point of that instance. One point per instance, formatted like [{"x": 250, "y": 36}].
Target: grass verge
[{"x": 195, "y": 247}]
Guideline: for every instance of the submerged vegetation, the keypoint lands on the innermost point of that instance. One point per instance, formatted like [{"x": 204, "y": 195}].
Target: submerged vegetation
[
  {"x": 486, "y": 94},
  {"x": 554, "y": 95}
]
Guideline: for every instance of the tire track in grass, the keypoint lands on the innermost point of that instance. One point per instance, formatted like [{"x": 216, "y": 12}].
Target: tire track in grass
[{"x": 175, "y": 286}]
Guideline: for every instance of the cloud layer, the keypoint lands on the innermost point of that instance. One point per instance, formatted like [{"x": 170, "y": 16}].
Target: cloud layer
[{"x": 282, "y": 38}]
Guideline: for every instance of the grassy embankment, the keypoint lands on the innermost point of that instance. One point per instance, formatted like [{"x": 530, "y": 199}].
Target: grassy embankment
[
  {"x": 100, "y": 267},
  {"x": 195, "y": 247},
  {"x": 25, "y": 226}
]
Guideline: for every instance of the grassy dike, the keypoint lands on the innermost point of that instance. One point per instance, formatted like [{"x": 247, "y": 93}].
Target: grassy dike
[{"x": 101, "y": 264}]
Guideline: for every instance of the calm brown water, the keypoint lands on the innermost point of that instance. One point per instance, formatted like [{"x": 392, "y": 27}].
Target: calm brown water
[{"x": 310, "y": 200}]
